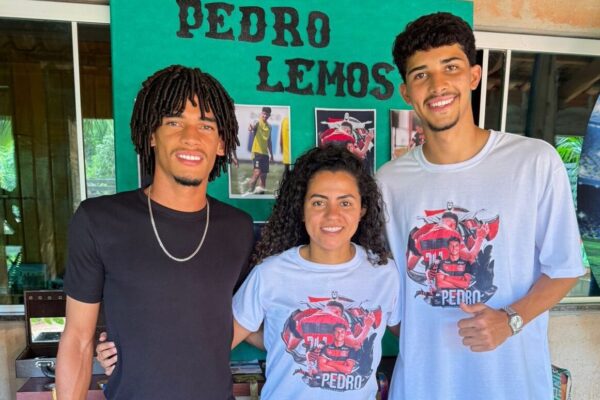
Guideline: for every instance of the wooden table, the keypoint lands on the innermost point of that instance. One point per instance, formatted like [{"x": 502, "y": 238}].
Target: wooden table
[{"x": 37, "y": 389}]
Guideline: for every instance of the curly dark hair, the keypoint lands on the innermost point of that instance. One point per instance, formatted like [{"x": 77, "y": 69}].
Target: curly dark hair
[
  {"x": 432, "y": 31},
  {"x": 165, "y": 94},
  {"x": 285, "y": 227}
]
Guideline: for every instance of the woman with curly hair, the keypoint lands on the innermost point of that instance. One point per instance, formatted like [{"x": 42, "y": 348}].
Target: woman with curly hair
[{"x": 323, "y": 285}]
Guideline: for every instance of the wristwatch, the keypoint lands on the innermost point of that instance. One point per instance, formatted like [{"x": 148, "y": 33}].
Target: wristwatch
[{"x": 514, "y": 320}]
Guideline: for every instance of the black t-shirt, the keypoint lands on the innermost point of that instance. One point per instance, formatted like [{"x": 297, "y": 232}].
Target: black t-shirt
[{"x": 171, "y": 321}]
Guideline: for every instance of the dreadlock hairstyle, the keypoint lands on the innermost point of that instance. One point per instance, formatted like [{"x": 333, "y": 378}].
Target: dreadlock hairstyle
[
  {"x": 285, "y": 227},
  {"x": 165, "y": 94},
  {"x": 432, "y": 31}
]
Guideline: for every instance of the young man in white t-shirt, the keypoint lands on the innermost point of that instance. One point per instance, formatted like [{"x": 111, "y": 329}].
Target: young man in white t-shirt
[{"x": 514, "y": 216}]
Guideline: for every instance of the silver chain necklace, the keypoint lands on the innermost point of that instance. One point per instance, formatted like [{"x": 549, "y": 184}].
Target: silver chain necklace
[{"x": 162, "y": 246}]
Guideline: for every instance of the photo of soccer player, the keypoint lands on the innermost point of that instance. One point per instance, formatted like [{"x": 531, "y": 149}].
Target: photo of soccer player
[
  {"x": 354, "y": 129},
  {"x": 331, "y": 339},
  {"x": 450, "y": 253},
  {"x": 263, "y": 153},
  {"x": 406, "y": 132}
]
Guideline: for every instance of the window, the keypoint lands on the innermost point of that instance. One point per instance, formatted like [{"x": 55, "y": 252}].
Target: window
[
  {"x": 37, "y": 74},
  {"x": 545, "y": 87},
  {"x": 99, "y": 149},
  {"x": 96, "y": 109},
  {"x": 57, "y": 133},
  {"x": 55, "y": 96}
]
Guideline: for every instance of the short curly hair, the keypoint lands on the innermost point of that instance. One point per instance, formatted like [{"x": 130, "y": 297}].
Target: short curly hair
[
  {"x": 165, "y": 93},
  {"x": 285, "y": 227},
  {"x": 432, "y": 31}
]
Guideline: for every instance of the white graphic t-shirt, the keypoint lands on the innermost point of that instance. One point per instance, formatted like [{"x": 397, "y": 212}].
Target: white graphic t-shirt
[
  {"x": 480, "y": 231},
  {"x": 323, "y": 324}
]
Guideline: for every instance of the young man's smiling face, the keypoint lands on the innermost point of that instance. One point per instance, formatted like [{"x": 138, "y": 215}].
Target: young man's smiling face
[
  {"x": 265, "y": 116},
  {"x": 186, "y": 146},
  {"x": 438, "y": 85}
]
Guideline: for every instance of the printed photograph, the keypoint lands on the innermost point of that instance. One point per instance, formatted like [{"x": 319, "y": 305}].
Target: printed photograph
[
  {"x": 406, "y": 132},
  {"x": 354, "y": 129},
  {"x": 569, "y": 149},
  {"x": 588, "y": 196},
  {"x": 450, "y": 254},
  {"x": 340, "y": 349},
  {"x": 264, "y": 151}
]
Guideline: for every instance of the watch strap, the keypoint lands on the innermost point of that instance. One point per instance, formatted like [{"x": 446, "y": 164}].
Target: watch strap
[{"x": 509, "y": 310}]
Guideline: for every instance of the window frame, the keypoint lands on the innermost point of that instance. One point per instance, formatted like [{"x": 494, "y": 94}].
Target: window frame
[
  {"x": 509, "y": 42},
  {"x": 69, "y": 13}
]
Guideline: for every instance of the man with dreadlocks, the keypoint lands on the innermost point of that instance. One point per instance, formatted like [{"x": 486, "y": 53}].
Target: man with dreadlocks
[{"x": 164, "y": 259}]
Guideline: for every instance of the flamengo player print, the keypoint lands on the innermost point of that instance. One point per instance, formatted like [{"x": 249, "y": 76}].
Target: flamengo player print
[
  {"x": 331, "y": 340},
  {"x": 450, "y": 253}
]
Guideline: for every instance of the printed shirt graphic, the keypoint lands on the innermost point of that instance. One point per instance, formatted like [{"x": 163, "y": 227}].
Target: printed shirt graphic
[
  {"x": 323, "y": 324},
  {"x": 331, "y": 340},
  {"x": 451, "y": 255}
]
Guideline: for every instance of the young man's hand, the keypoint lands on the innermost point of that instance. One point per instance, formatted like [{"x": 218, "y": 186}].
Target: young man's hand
[{"x": 486, "y": 329}]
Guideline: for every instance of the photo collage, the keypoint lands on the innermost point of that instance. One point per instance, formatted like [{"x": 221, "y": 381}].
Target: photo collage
[{"x": 265, "y": 136}]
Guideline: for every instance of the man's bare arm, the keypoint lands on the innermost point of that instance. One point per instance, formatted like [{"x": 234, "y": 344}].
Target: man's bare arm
[
  {"x": 74, "y": 360},
  {"x": 256, "y": 339},
  {"x": 239, "y": 334},
  {"x": 488, "y": 328},
  {"x": 544, "y": 294}
]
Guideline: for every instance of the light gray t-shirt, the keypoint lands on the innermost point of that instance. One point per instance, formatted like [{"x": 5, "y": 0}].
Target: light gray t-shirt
[
  {"x": 483, "y": 230},
  {"x": 323, "y": 324}
]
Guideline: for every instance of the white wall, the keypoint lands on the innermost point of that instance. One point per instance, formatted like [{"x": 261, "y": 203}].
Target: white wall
[
  {"x": 580, "y": 18},
  {"x": 12, "y": 342},
  {"x": 575, "y": 344}
]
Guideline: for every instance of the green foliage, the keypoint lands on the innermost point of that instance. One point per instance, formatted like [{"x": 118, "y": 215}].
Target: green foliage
[
  {"x": 8, "y": 171},
  {"x": 99, "y": 148},
  {"x": 569, "y": 148},
  {"x": 49, "y": 321},
  {"x": 592, "y": 248}
]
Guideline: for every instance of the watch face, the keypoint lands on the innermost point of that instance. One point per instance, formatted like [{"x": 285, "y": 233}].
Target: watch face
[{"x": 516, "y": 322}]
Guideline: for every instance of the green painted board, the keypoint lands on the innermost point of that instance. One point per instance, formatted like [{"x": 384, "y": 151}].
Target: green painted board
[
  {"x": 358, "y": 42},
  {"x": 350, "y": 37}
]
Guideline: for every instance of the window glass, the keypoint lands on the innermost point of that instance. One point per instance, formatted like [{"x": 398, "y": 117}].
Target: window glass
[
  {"x": 39, "y": 178},
  {"x": 495, "y": 81},
  {"x": 577, "y": 86},
  {"x": 551, "y": 97},
  {"x": 38, "y": 150},
  {"x": 519, "y": 88},
  {"x": 96, "y": 105},
  {"x": 99, "y": 145},
  {"x": 551, "y": 94}
]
